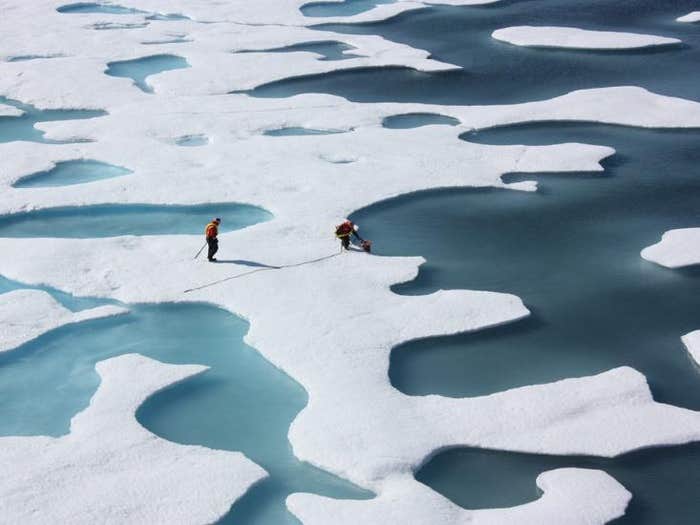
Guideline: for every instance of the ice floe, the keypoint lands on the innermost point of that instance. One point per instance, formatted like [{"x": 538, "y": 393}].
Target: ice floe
[
  {"x": 692, "y": 343},
  {"x": 111, "y": 469},
  {"x": 690, "y": 17},
  {"x": 329, "y": 320},
  {"x": 27, "y": 314},
  {"x": 576, "y": 38},
  {"x": 569, "y": 496},
  {"x": 10, "y": 111},
  {"x": 677, "y": 248}
]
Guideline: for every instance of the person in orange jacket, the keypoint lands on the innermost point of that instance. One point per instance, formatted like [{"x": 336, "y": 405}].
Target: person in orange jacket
[
  {"x": 211, "y": 232},
  {"x": 344, "y": 231}
]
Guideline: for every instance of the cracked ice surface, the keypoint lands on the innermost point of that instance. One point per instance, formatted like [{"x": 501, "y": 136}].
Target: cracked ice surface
[
  {"x": 676, "y": 249},
  {"x": 336, "y": 345},
  {"x": 96, "y": 473},
  {"x": 575, "y": 38},
  {"x": 27, "y": 314}
]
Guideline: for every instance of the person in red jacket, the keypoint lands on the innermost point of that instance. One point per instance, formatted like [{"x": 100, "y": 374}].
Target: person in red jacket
[
  {"x": 344, "y": 231},
  {"x": 211, "y": 232}
]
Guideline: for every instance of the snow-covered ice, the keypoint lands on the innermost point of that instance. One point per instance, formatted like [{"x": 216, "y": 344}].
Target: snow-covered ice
[
  {"x": 690, "y": 17},
  {"x": 336, "y": 345},
  {"x": 570, "y": 496},
  {"x": 692, "y": 343},
  {"x": 27, "y": 314},
  {"x": 676, "y": 249},
  {"x": 576, "y": 38},
  {"x": 10, "y": 111},
  {"x": 109, "y": 469}
]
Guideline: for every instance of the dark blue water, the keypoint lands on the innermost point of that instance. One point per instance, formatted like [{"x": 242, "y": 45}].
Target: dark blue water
[
  {"x": 72, "y": 172},
  {"x": 22, "y": 58},
  {"x": 242, "y": 403},
  {"x": 111, "y": 220},
  {"x": 141, "y": 68},
  {"x": 91, "y": 7},
  {"x": 571, "y": 252},
  {"x": 664, "y": 481},
  {"x": 295, "y": 131},
  {"x": 496, "y": 73},
  {"x": 329, "y": 50},
  {"x": 416, "y": 120},
  {"x": 22, "y": 127}
]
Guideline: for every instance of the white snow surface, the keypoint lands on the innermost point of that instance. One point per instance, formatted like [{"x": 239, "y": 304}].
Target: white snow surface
[
  {"x": 110, "y": 469},
  {"x": 692, "y": 343},
  {"x": 570, "y": 497},
  {"x": 690, "y": 17},
  {"x": 336, "y": 345},
  {"x": 10, "y": 111},
  {"x": 576, "y": 38},
  {"x": 27, "y": 314},
  {"x": 676, "y": 249}
]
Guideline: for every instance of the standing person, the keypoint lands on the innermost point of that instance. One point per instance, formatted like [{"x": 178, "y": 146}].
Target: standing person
[
  {"x": 211, "y": 232},
  {"x": 344, "y": 231}
]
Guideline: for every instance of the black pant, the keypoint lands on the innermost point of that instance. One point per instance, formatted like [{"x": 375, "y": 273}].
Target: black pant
[
  {"x": 345, "y": 242},
  {"x": 213, "y": 243}
]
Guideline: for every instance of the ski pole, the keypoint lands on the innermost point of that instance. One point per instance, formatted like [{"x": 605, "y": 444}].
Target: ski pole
[{"x": 200, "y": 250}]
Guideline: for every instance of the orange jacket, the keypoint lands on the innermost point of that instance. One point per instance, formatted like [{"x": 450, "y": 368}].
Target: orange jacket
[{"x": 211, "y": 231}]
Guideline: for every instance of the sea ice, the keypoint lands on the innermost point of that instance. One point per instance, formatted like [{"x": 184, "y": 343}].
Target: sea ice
[
  {"x": 111, "y": 469},
  {"x": 677, "y": 248},
  {"x": 690, "y": 17},
  {"x": 10, "y": 111},
  {"x": 335, "y": 344},
  {"x": 27, "y": 314},
  {"x": 569, "y": 497},
  {"x": 576, "y": 38},
  {"x": 692, "y": 343}
]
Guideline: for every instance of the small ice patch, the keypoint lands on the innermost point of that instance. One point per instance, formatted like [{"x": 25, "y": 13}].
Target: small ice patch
[
  {"x": 27, "y": 314},
  {"x": 18, "y": 123},
  {"x": 676, "y": 249},
  {"x": 575, "y": 38},
  {"x": 692, "y": 343},
  {"x": 690, "y": 17}
]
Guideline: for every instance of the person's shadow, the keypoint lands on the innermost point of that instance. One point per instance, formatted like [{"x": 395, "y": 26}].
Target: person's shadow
[{"x": 240, "y": 262}]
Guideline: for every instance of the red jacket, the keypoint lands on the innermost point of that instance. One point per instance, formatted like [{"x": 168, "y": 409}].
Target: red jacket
[{"x": 344, "y": 229}]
